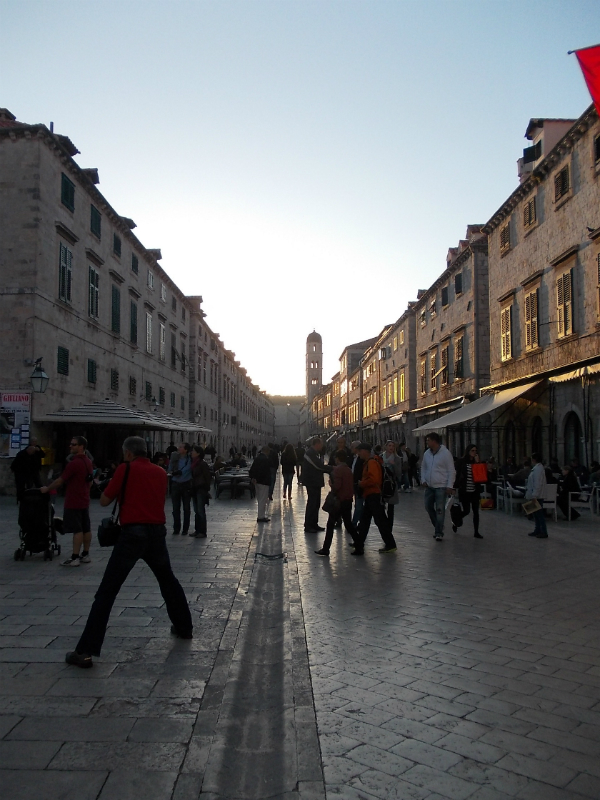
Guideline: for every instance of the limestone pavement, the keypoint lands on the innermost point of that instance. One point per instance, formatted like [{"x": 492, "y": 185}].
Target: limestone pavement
[{"x": 462, "y": 669}]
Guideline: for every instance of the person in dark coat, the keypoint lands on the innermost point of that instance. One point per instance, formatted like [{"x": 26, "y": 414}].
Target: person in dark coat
[
  {"x": 26, "y": 468},
  {"x": 299, "y": 459},
  {"x": 569, "y": 483},
  {"x": 288, "y": 469},
  {"x": 260, "y": 475},
  {"x": 468, "y": 490},
  {"x": 313, "y": 478},
  {"x": 274, "y": 462}
]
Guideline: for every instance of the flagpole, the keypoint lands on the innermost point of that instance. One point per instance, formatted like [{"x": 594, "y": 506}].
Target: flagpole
[{"x": 580, "y": 49}]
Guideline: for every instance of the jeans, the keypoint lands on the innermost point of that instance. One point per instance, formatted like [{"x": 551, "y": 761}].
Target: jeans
[
  {"x": 345, "y": 513},
  {"x": 374, "y": 510},
  {"x": 406, "y": 481},
  {"x": 313, "y": 503},
  {"x": 540, "y": 519},
  {"x": 435, "y": 505},
  {"x": 181, "y": 493},
  {"x": 288, "y": 479},
  {"x": 136, "y": 541},
  {"x": 199, "y": 498},
  {"x": 359, "y": 502}
]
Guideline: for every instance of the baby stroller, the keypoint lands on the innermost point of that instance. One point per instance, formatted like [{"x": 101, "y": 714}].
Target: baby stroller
[{"x": 37, "y": 525}]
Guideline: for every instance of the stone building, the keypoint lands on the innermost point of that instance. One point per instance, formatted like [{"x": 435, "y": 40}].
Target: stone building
[
  {"x": 120, "y": 342},
  {"x": 544, "y": 266}
]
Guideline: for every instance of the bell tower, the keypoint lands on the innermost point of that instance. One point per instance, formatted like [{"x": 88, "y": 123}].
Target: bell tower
[{"x": 314, "y": 366}]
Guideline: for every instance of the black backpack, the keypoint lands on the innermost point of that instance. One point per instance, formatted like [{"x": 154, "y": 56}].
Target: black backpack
[{"x": 388, "y": 487}]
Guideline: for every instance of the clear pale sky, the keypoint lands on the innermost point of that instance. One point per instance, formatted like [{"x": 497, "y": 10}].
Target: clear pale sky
[{"x": 300, "y": 164}]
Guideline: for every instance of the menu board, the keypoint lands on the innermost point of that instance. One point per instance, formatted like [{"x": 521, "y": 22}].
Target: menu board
[{"x": 15, "y": 420}]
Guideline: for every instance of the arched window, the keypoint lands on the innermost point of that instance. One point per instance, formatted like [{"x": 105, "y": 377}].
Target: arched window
[
  {"x": 509, "y": 440},
  {"x": 572, "y": 437},
  {"x": 536, "y": 436}
]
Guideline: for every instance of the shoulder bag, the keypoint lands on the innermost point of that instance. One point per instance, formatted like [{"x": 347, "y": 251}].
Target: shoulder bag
[{"x": 109, "y": 529}]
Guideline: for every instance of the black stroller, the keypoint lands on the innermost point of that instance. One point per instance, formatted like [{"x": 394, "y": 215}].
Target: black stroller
[{"x": 38, "y": 526}]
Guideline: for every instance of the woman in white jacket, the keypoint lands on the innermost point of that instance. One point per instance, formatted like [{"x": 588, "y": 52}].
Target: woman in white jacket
[{"x": 536, "y": 488}]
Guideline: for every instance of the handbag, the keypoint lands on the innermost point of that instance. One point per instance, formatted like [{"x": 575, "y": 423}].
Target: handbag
[
  {"x": 456, "y": 514},
  {"x": 331, "y": 505},
  {"x": 479, "y": 472},
  {"x": 531, "y": 506},
  {"x": 109, "y": 529}
]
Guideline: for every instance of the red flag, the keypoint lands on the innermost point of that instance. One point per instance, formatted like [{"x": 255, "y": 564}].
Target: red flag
[{"x": 589, "y": 61}]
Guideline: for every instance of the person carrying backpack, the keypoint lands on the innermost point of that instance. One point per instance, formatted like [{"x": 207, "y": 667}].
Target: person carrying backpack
[
  {"x": 392, "y": 479},
  {"x": 371, "y": 485}
]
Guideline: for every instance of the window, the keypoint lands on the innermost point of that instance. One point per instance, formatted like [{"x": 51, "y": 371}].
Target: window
[
  {"x": 132, "y": 386},
  {"x": 395, "y": 389},
  {"x": 433, "y": 371},
  {"x": 148, "y": 332},
  {"x": 423, "y": 377},
  {"x": 163, "y": 292},
  {"x": 174, "y": 305},
  {"x": 562, "y": 183},
  {"x": 564, "y": 302},
  {"x": 433, "y": 308},
  {"x": 67, "y": 192},
  {"x": 91, "y": 370},
  {"x": 402, "y": 388},
  {"x": 444, "y": 296},
  {"x": 62, "y": 361},
  {"x": 162, "y": 396},
  {"x": 183, "y": 358},
  {"x": 95, "y": 221},
  {"x": 529, "y": 213},
  {"x": 174, "y": 351},
  {"x": 116, "y": 245},
  {"x": 150, "y": 280},
  {"x": 531, "y": 320},
  {"x": 65, "y": 274},
  {"x": 458, "y": 359},
  {"x": 148, "y": 391},
  {"x": 423, "y": 318},
  {"x": 135, "y": 264},
  {"x": 182, "y": 401},
  {"x": 114, "y": 380},
  {"x": 506, "y": 333},
  {"x": 115, "y": 309},
  {"x": 445, "y": 377},
  {"x": 402, "y": 337},
  {"x": 133, "y": 325},
  {"x": 505, "y": 238},
  {"x": 183, "y": 313},
  {"x": 458, "y": 283},
  {"x": 172, "y": 399},
  {"x": 162, "y": 341},
  {"x": 93, "y": 292}
]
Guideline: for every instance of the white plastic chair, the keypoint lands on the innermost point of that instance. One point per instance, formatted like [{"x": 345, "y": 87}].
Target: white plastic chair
[{"x": 585, "y": 501}]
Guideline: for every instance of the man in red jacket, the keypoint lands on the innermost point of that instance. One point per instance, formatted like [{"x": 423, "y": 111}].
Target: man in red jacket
[
  {"x": 141, "y": 488},
  {"x": 77, "y": 477},
  {"x": 371, "y": 482}
]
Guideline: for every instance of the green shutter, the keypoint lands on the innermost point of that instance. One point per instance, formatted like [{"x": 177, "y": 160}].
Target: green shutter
[
  {"x": 133, "y": 328},
  {"x": 115, "y": 309},
  {"x": 62, "y": 361}
]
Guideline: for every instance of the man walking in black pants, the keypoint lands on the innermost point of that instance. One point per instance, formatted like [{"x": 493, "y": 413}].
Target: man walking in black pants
[
  {"x": 371, "y": 482},
  {"x": 142, "y": 517},
  {"x": 313, "y": 472}
]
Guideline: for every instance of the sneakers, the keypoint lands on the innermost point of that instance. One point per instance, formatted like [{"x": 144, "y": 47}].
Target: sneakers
[
  {"x": 323, "y": 553},
  {"x": 388, "y": 549},
  {"x": 175, "y": 632},
  {"x": 439, "y": 538},
  {"x": 79, "y": 660},
  {"x": 85, "y": 559},
  {"x": 71, "y": 562},
  {"x": 357, "y": 552}
]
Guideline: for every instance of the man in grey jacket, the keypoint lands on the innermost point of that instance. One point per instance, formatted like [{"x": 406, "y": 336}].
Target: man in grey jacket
[
  {"x": 437, "y": 476},
  {"x": 536, "y": 489}
]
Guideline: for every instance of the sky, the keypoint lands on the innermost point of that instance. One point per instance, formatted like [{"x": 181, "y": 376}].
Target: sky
[{"x": 301, "y": 165}]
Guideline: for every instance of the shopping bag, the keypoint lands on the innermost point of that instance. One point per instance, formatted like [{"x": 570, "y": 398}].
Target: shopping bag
[
  {"x": 456, "y": 514},
  {"x": 486, "y": 501},
  {"x": 530, "y": 507},
  {"x": 480, "y": 473}
]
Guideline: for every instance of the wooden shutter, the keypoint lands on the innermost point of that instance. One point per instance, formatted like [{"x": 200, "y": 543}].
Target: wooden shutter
[
  {"x": 62, "y": 361},
  {"x": 445, "y": 366},
  {"x": 115, "y": 309},
  {"x": 506, "y": 332},
  {"x": 133, "y": 323},
  {"x": 564, "y": 303},
  {"x": 402, "y": 390},
  {"x": 65, "y": 273},
  {"x": 458, "y": 358}
]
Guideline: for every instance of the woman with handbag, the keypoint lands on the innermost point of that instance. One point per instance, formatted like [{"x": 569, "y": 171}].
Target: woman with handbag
[
  {"x": 468, "y": 488},
  {"x": 338, "y": 502}
]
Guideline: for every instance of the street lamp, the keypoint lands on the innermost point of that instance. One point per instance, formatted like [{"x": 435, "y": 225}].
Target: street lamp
[{"x": 39, "y": 379}]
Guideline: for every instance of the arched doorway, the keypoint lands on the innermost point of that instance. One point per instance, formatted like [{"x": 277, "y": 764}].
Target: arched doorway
[
  {"x": 537, "y": 436},
  {"x": 572, "y": 437}
]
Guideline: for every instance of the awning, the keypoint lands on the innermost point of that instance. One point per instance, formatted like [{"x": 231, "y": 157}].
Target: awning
[
  {"x": 484, "y": 405},
  {"x": 106, "y": 412},
  {"x": 592, "y": 369}
]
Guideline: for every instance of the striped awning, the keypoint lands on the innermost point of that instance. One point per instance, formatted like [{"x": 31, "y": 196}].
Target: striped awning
[{"x": 106, "y": 412}]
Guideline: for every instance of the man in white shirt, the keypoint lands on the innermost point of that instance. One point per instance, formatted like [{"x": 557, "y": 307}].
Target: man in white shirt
[{"x": 437, "y": 476}]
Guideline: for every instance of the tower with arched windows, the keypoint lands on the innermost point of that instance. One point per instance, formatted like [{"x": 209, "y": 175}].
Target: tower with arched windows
[{"x": 314, "y": 365}]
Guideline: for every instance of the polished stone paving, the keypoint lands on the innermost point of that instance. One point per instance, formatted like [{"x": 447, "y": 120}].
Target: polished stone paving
[{"x": 462, "y": 669}]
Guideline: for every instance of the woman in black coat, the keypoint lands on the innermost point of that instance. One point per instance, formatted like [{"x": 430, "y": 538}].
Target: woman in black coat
[
  {"x": 468, "y": 490},
  {"x": 568, "y": 483}
]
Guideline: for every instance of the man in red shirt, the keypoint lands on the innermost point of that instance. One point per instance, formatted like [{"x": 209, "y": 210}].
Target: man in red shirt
[
  {"x": 141, "y": 488},
  {"x": 77, "y": 477}
]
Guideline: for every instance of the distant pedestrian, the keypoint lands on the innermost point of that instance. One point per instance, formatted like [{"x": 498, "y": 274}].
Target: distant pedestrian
[
  {"x": 142, "y": 518},
  {"x": 77, "y": 476},
  {"x": 313, "y": 478},
  {"x": 210, "y": 451},
  {"x": 299, "y": 458},
  {"x": 469, "y": 491},
  {"x": 392, "y": 463},
  {"x": 536, "y": 489},
  {"x": 180, "y": 470},
  {"x": 371, "y": 483},
  {"x": 356, "y": 465},
  {"x": 404, "y": 453},
  {"x": 26, "y": 468},
  {"x": 568, "y": 485},
  {"x": 274, "y": 462},
  {"x": 201, "y": 478},
  {"x": 342, "y": 486},
  {"x": 254, "y": 448},
  {"x": 244, "y": 450},
  {"x": 437, "y": 476},
  {"x": 260, "y": 475},
  {"x": 172, "y": 448},
  {"x": 288, "y": 469}
]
